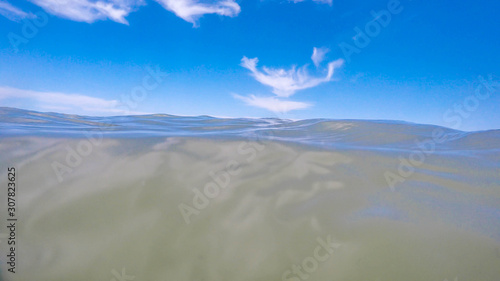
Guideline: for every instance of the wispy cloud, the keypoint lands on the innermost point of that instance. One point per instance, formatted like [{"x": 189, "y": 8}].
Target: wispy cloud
[
  {"x": 273, "y": 104},
  {"x": 318, "y": 55},
  {"x": 286, "y": 82},
  {"x": 12, "y": 13},
  {"x": 329, "y": 2},
  {"x": 68, "y": 103},
  {"x": 90, "y": 10},
  {"x": 191, "y": 10},
  {"x": 117, "y": 10}
]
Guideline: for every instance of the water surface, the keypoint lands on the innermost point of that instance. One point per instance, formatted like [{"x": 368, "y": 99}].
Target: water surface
[{"x": 163, "y": 197}]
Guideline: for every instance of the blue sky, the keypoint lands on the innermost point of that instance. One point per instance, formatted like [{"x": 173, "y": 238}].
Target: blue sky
[{"x": 433, "y": 62}]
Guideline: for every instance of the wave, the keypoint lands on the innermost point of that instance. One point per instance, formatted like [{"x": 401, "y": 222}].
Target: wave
[{"x": 161, "y": 197}]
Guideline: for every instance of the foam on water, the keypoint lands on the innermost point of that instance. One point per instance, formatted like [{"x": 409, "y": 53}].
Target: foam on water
[{"x": 161, "y": 197}]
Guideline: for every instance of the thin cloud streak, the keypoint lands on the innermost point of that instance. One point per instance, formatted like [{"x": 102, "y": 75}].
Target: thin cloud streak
[
  {"x": 273, "y": 104},
  {"x": 61, "y": 101},
  {"x": 90, "y": 11},
  {"x": 329, "y": 2},
  {"x": 12, "y": 13}
]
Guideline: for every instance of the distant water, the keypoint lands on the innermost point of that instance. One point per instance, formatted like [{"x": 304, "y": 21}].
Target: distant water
[{"x": 161, "y": 197}]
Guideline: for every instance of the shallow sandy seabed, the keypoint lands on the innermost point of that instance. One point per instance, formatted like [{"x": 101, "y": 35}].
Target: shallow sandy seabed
[{"x": 181, "y": 208}]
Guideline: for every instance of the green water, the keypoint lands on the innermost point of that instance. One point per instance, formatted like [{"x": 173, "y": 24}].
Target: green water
[{"x": 129, "y": 207}]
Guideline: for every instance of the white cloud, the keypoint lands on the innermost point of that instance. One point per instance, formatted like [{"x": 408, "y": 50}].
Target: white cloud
[
  {"x": 67, "y": 103},
  {"x": 286, "y": 82},
  {"x": 191, "y": 10},
  {"x": 318, "y": 55},
  {"x": 12, "y": 13},
  {"x": 117, "y": 10},
  {"x": 329, "y": 2},
  {"x": 273, "y": 104},
  {"x": 90, "y": 10}
]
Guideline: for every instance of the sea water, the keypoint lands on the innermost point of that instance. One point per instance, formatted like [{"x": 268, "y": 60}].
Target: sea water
[{"x": 162, "y": 197}]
